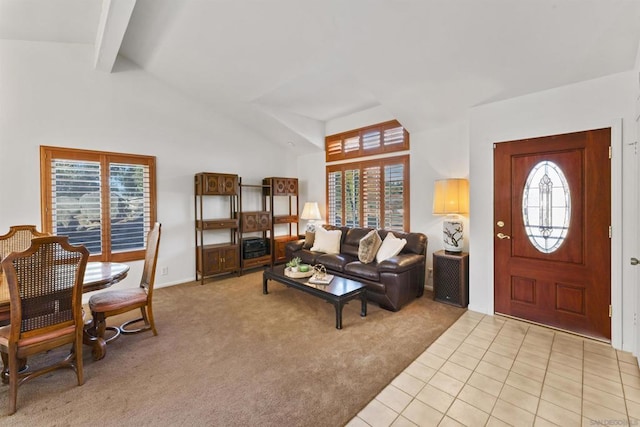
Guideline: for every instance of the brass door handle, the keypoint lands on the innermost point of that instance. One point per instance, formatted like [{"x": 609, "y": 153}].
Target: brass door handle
[
  {"x": 634, "y": 261},
  {"x": 503, "y": 236}
]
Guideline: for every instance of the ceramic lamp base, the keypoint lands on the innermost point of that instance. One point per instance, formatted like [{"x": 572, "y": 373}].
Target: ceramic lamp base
[{"x": 452, "y": 235}]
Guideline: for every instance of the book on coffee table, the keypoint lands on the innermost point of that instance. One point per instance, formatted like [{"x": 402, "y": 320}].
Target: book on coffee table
[{"x": 324, "y": 281}]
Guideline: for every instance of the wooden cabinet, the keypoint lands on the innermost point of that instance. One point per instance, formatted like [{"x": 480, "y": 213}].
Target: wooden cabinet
[
  {"x": 284, "y": 186},
  {"x": 217, "y": 259},
  {"x": 217, "y": 249},
  {"x": 283, "y": 198},
  {"x": 211, "y": 184},
  {"x": 256, "y": 221},
  {"x": 279, "y": 247},
  {"x": 451, "y": 277}
]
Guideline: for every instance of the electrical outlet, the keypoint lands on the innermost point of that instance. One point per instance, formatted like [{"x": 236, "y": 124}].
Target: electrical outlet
[
  {"x": 430, "y": 272},
  {"x": 164, "y": 271}
]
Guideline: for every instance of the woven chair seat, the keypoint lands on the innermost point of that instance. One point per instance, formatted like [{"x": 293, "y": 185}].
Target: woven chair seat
[{"x": 115, "y": 300}]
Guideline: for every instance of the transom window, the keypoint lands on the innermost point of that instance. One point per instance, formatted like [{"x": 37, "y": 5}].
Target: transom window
[
  {"x": 104, "y": 201},
  {"x": 382, "y": 138},
  {"x": 546, "y": 206}
]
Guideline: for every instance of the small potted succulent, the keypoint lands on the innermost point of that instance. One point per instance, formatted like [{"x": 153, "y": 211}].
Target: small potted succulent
[{"x": 294, "y": 264}]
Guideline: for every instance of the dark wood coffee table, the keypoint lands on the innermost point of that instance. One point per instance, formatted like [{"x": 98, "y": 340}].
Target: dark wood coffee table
[{"x": 338, "y": 292}]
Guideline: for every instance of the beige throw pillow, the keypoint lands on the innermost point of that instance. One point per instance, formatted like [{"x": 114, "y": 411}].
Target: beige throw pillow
[
  {"x": 391, "y": 246},
  {"x": 327, "y": 241},
  {"x": 369, "y": 246}
]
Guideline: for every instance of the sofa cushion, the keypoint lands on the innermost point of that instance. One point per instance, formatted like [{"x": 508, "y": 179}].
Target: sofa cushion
[
  {"x": 335, "y": 262},
  {"x": 309, "y": 238},
  {"x": 391, "y": 246},
  {"x": 369, "y": 246},
  {"x": 351, "y": 240},
  {"x": 327, "y": 241},
  {"x": 366, "y": 271}
]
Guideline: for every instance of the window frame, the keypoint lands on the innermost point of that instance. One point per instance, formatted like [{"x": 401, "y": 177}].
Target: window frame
[
  {"x": 336, "y": 145},
  {"x": 105, "y": 158},
  {"x": 360, "y": 166}
]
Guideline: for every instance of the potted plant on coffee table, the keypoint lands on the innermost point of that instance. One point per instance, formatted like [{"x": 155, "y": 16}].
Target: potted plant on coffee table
[{"x": 294, "y": 264}]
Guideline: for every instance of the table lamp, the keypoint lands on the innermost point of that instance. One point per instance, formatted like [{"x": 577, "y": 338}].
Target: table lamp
[
  {"x": 451, "y": 198},
  {"x": 311, "y": 213}
]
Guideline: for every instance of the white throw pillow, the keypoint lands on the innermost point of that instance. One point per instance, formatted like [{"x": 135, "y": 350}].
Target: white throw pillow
[
  {"x": 391, "y": 246},
  {"x": 327, "y": 241}
]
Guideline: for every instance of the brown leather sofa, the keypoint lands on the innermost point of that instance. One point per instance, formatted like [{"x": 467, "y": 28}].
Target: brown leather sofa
[{"x": 392, "y": 283}]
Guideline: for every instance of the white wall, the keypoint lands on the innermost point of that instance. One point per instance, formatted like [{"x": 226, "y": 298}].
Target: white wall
[
  {"x": 51, "y": 95},
  {"x": 604, "y": 102}
]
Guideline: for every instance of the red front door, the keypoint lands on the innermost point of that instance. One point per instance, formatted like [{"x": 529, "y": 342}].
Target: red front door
[{"x": 552, "y": 219}]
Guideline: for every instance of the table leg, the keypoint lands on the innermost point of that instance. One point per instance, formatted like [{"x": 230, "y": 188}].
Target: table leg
[
  {"x": 363, "y": 298},
  {"x": 90, "y": 338},
  {"x": 264, "y": 284},
  {"x": 338, "y": 305}
]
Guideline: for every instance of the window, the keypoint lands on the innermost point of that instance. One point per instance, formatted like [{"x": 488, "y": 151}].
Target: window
[
  {"x": 105, "y": 201},
  {"x": 372, "y": 193},
  {"x": 546, "y": 206},
  {"x": 388, "y": 137}
]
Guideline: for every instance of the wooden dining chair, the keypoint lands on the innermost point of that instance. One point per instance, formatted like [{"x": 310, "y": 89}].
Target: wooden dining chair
[
  {"x": 114, "y": 302},
  {"x": 16, "y": 240},
  {"x": 45, "y": 291}
]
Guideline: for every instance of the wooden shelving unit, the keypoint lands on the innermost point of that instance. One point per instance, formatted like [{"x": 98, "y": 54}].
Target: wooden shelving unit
[{"x": 216, "y": 258}]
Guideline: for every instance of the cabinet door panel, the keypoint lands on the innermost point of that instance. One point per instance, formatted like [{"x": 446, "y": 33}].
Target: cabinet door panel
[
  {"x": 292, "y": 186},
  {"x": 230, "y": 259},
  {"x": 211, "y": 261}
]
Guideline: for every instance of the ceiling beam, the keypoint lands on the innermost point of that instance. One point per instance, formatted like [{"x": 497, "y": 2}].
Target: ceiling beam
[{"x": 114, "y": 20}]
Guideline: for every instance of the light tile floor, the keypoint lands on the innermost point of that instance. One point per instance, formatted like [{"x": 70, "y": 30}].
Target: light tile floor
[{"x": 493, "y": 371}]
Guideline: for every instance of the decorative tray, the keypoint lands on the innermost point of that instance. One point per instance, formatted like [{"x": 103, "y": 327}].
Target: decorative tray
[{"x": 298, "y": 274}]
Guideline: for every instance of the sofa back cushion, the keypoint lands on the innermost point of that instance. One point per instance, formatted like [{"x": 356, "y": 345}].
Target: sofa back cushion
[
  {"x": 416, "y": 242},
  {"x": 351, "y": 240}
]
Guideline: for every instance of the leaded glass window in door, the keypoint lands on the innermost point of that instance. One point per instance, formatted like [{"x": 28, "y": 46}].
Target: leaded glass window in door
[{"x": 546, "y": 206}]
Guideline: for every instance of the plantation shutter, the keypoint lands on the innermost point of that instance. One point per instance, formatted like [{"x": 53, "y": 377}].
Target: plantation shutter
[
  {"x": 387, "y": 137},
  {"x": 394, "y": 196},
  {"x": 76, "y": 203},
  {"x": 130, "y": 206},
  {"x": 104, "y": 201},
  {"x": 352, "y": 197},
  {"x": 371, "y": 196},
  {"x": 334, "y": 198},
  {"x": 375, "y": 194}
]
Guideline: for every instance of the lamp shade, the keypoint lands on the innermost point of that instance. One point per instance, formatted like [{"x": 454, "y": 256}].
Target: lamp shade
[
  {"x": 451, "y": 196},
  {"x": 310, "y": 211}
]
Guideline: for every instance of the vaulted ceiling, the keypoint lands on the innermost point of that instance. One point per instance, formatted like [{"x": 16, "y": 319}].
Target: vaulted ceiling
[{"x": 285, "y": 67}]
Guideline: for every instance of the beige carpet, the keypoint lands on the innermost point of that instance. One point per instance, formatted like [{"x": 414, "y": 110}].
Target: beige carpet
[{"x": 228, "y": 355}]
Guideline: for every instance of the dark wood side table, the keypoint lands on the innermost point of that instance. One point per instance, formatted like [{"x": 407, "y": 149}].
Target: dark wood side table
[{"x": 451, "y": 277}]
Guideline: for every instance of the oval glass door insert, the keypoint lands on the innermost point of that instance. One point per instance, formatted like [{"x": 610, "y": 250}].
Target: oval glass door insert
[{"x": 546, "y": 206}]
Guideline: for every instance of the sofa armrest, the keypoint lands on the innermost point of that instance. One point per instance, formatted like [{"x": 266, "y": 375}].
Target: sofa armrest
[
  {"x": 400, "y": 263},
  {"x": 293, "y": 246}
]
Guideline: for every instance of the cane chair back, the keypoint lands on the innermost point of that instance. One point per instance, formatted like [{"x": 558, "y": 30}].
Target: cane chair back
[
  {"x": 16, "y": 240},
  {"x": 114, "y": 302},
  {"x": 45, "y": 291}
]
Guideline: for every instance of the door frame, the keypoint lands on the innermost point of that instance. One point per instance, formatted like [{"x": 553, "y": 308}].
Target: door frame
[{"x": 616, "y": 221}]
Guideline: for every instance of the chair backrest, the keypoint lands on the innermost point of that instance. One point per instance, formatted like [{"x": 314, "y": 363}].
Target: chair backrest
[
  {"x": 151, "y": 259},
  {"x": 16, "y": 240},
  {"x": 45, "y": 285}
]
